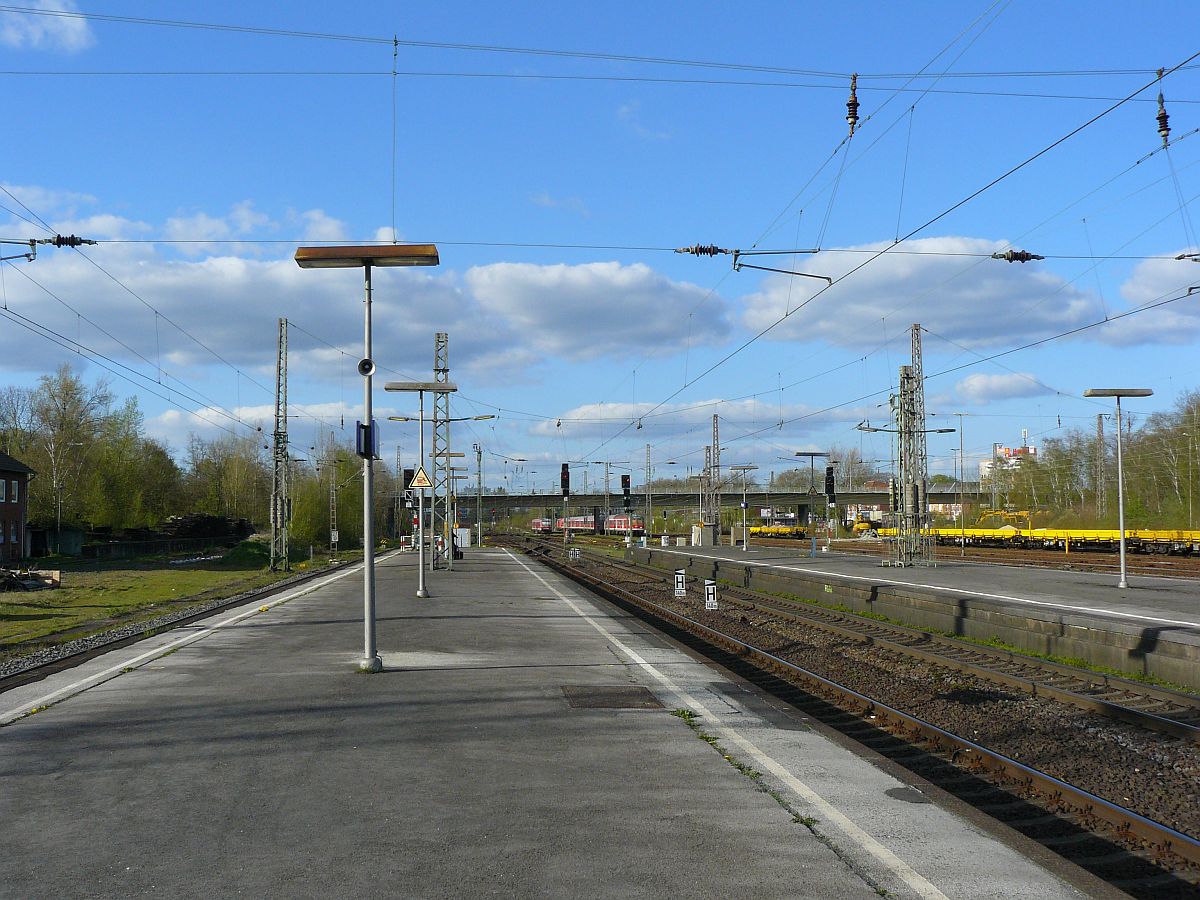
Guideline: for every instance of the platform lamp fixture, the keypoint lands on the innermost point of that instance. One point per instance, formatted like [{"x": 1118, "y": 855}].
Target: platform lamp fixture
[
  {"x": 1118, "y": 393},
  {"x": 366, "y": 258}
]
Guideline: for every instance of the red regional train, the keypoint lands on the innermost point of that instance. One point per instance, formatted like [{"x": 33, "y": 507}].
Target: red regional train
[{"x": 619, "y": 524}]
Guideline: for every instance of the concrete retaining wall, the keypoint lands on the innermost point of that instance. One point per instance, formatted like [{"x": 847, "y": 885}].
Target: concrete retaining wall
[{"x": 1168, "y": 652}]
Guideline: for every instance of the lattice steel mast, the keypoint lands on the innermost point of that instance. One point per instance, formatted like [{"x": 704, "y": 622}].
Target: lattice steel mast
[
  {"x": 715, "y": 477},
  {"x": 706, "y": 488},
  {"x": 279, "y": 460},
  {"x": 440, "y": 510},
  {"x": 913, "y": 545}
]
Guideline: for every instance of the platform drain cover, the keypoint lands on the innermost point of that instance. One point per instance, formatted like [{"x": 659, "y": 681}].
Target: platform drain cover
[{"x": 609, "y": 696}]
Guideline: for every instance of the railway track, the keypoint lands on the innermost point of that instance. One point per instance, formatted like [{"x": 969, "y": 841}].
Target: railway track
[
  {"x": 1101, "y": 770},
  {"x": 1077, "y": 560}
]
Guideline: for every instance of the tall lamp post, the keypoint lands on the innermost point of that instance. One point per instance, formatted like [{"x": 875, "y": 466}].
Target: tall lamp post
[
  {"x": 365, "y": 258},
  {"x": 478, "y": 494},
  {"x": 745, "y": 529},
  {"x": 419, "y": 388},
  {"x": 962, "y": 476},
  {"x": 1118, "y": 393},
  {"x": 812, "y": 483}
]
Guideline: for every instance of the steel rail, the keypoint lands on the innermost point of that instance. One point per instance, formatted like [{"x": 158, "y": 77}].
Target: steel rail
[
  {"x": 1058, "y": 795},
  {"x": 949, "y": 652},
  {"x": 1112, "y": 710}
]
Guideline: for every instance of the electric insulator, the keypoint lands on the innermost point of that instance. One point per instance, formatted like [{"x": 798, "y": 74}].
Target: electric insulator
[
  {"x": 702, "y": 250},
  {"x": 1164, "y": 130},
  {"x": 852, "y": 104},
  {"x": 1021, "y": 256}
]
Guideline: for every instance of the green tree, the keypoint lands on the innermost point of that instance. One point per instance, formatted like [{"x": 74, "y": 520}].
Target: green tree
[{"x": 67, "y": 419}]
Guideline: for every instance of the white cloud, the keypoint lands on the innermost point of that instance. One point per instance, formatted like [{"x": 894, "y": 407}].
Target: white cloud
[
  {"x": 43, "y": 31},
  {"x": 49, "y": 203},
  {"x": 507, "y": 321},
  {"x": 1153, "y": 281},
  {"x": 197, "y": 227},
  {"x": 320, "y": 227},
  {"x": 597, "y": 309},
  {"x": 740, "y": 417},
  {"x": 102, "y": 226},
  {"x": 245, "y": 218},
  {"x": 984, "y": 388},
  {"x": 978, "y": 302},
  {"x": 385, "y": 235}
]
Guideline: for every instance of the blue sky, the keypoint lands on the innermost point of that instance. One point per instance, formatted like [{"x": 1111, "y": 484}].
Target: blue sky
[{"x": 556, "y": 185}]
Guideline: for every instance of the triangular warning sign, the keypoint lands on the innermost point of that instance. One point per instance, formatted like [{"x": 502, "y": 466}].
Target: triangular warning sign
[{"x": 420, "y": 480}]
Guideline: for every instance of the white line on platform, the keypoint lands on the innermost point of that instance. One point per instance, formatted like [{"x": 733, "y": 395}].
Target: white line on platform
[
  {"x": 941, "y": 587},
  {"x": 84, "y": 684},
  {"x": 827, "y": 811}
]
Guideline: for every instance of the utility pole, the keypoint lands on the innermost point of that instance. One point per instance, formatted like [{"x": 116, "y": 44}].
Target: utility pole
[
  {"x": 607, "y": 497},
  {"x": 441, "y": 445},
  {"x": 279, "y": 459},
  {"x": 705, "y": 490},
  {"x": 962, "y": 510},
  {"x": 399, "y": 491},
  {"x": 715, "y": 480},
  {"x": 994, "y": 475},
  {"x": 479, "y": 495},
  {"x": 649, "y": 523}
]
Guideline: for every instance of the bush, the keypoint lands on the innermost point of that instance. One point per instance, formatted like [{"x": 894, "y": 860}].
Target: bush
[{"x": 247, "y": 555}]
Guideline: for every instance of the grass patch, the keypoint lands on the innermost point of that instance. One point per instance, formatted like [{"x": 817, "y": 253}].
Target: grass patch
[{"x": 102, "y": 594}]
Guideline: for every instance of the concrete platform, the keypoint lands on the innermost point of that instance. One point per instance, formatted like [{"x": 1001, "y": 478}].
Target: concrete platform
[
  {"x": 1151, "y": 627},
  {"x": 1148, "y": 599},
  {"x": 519, "y": 743}
]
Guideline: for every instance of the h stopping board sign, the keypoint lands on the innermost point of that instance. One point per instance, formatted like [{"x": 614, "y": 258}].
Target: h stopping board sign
[
  {"x": 710, "y": 594},
  {"x": 680, "y": 583}
]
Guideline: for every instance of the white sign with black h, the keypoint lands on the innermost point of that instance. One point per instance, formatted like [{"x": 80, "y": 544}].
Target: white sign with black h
[
  {"x": 575, "y": 554},
  {"x": 680, "y": 583},
  {"x": 710, "y": 594}
]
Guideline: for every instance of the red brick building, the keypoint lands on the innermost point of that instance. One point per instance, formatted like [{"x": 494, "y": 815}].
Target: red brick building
[{"x": 14, "y": 491}]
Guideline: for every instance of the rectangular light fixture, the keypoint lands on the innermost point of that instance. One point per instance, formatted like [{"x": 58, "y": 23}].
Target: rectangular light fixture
[
  {"x": 1118, "y": 392},
  {"x": 348, "y": 257},
  {"x": 432, "y": 387}
]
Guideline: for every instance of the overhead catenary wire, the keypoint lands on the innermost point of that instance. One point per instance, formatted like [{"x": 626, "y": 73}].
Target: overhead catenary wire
[
  {"x": 544, "y": 76},
  {"x": 865, "y": 251},
  {"x": 113, "y": 367},
  {"x": 997, "y": 180},
  {"x": 158, "y": 314},
  {"x": 535, "y": 51}
]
